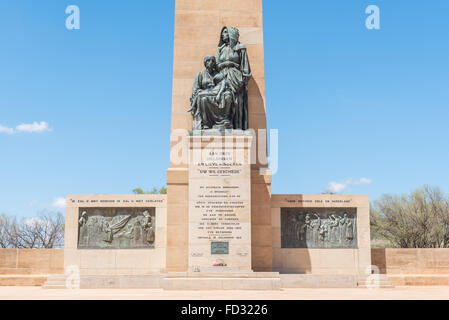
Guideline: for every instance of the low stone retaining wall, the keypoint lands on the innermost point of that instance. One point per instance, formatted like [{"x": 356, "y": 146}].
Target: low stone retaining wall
[
  {"x": 29, "y": 267},
  {"x": 413, "y": 267}
]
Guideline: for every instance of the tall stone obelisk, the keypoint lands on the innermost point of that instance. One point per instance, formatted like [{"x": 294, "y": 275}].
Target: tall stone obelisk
[{"x": 197, "y": 30}]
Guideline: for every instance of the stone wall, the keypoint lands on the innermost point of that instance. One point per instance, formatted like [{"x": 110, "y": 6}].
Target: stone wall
[
  {"x": 322, "y": 261},
  {"x": 411, "y": 261},
  {"x": 29, "y": 267},
  {"x": 413, "y": 266},
  {"x": 22, "y": 267},
  {"x": 31, "y": 261}
]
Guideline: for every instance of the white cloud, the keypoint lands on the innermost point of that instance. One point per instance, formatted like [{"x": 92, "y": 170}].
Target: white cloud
[
  {"x": 59, "y": 203},
  {"x": 336, "y": 187},
  {"x": 34, "y": 127},
  {"x": 31, "y": 221},
  {"x": 7, "y": 130},
  {"x": 363, "y": 181}
]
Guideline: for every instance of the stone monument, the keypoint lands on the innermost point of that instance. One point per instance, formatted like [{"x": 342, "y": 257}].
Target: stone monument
[
  {"x": 219, "y": 161},
  {"x": 218, "y": 226},
  {"x": 219, "y": 52}
]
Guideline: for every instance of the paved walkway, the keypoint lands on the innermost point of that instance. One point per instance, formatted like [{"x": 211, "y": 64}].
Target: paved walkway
[{"x": 398, "y": 293}]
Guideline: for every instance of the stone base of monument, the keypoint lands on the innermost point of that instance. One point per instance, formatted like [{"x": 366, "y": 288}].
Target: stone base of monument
[
  {"x": 222, "y": 281},
  {"x": 334, "y": 281},
  {"x": 106, "y": 282},
  {"x": 175, "y": 281},
  {"x": 217, "y": 279},
  {"x": 55, "y": 281},
  {"x": 216, "y": 269},
  {"x": 318, "y": 281},
  {"x": 374, "y": 281}
]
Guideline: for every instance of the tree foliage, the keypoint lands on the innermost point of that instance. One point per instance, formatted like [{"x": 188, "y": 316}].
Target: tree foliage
[
  {"x": 155, "y": 190},
  {"x": 44, "y": 231},
  {"x": 417, "y": 220}
]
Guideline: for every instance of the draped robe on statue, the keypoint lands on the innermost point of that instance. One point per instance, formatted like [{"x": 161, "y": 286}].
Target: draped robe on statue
[
  {"x": 207, "y": 110},
  {"x": 233, "y": 63},
  {"x": 220, "y": 97}
]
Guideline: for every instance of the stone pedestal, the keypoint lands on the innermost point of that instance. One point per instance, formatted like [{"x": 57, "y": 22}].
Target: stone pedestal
[
  {"x": 222, "y": 281},
  {"x": 219, "y": 201},
  {"x": 197, "y": 31}
]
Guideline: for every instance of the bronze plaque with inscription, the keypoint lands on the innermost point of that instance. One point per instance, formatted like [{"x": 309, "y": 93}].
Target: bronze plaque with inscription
[
  {"x": 116, "y": 228},
  {"x": 319, "y": 228},
  {"x": 219, "y": 247}
]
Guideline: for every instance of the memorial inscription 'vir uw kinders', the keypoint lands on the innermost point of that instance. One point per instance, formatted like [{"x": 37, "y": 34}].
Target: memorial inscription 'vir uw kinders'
[
  {"x": 116, "y": 228},
  {"x": 319, "y": 227}
]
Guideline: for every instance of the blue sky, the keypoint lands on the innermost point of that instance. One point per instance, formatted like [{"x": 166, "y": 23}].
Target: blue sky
[{"x": 348, "y": 102}]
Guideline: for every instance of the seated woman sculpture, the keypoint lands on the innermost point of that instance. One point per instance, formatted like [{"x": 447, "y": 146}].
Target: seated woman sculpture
[{"x": 211, "y": 101}]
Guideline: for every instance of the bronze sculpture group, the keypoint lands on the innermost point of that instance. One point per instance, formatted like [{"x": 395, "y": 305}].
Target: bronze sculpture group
[
  {"x": 119, "y": 230},
  {"x": 319, "y": 230},
  {"x": 220, "y": 92}
]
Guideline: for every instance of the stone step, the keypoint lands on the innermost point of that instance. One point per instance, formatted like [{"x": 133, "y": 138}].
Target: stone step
[
  {"x": 385, "y": 286},
  {"x": 379, "y": 282},
  {"x": 53, "y": 286},
  {"x": 380, "y": 275},
  {"x": 55, "y": 281},
  {"x": 27, "y": 271},
  {"x": 149, "y": 281},
  {"x": 22, "y": 280},
  {"x": 419, "y": 279},
  {"x": 222, "y": 274},
  {"x": 221, "y": 283},
  {"x": 318, "y": 280},
  {"x": 58, "y": 276},
  {"x": 376, "y": 281}
]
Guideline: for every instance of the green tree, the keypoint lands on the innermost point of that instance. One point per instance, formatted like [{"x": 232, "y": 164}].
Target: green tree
[
  {"x": 163, "y": 190},
  {"x": 417, "y": 220},
  {"x": 155, "y": 190},
  {"x": 138, "y": 191}
]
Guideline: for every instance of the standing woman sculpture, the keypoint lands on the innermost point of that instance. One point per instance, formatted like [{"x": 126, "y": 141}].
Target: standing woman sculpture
[{"x": 233, "y": 63}]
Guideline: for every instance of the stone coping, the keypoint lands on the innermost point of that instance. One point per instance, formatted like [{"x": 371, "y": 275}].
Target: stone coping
[
  {"x": 240, "y": 274},
  {"x": 218, "y": 132}
]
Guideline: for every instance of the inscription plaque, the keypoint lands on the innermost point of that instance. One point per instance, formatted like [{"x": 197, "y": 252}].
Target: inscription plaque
[
  {"x": 319, "y": 228},
  {"x": 219, "y": 247},
  {"x": 219, "y": 199},
  {"x": 116, "y": 228}
]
